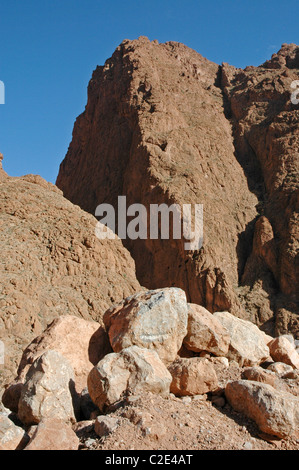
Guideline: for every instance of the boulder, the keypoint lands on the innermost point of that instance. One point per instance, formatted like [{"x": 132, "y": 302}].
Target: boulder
[
  {"x": 275, "y": 412},
  {"x": 282, "y": 350},
  {"x": 48, "y": 391},
  {"x": 258, "y": 374},
  {"x": 247, "y": 343},
  {"x": 12, "y": 437},
  {"x": 193, "y": 376},
  {"x": 205, "y": 332},
  {"x": 53, "y": 434},
  {"x": 83, "y": 343},
  {"x": 155, "y": 320},
  {"x": 133, "y": 370},
  {"x": 280, "y": 368}
]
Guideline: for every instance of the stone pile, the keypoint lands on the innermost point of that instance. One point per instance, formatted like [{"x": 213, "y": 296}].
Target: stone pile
[{"x": 155, "y": 342}]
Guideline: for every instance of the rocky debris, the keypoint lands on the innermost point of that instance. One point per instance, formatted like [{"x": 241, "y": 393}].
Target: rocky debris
[
  {"x": 83, "y": 343},
  {"x": 276, "y": 413},
  {"x": 282, "y": 350},
  {"x": 133, "y": 370},
  {"x": 258, "y": 374},
  {"x": 105, "y": 425},
  {"x": 280, "y": 368},
  {"x": 83, "y": 428},
  {"x": 194, "y": 376},
  {"x": 205, "y": 332},
  {"x": 12, "y": 437},
  {"x": 205, "y": 134},
  {"x": 247, "y": 342},
  {"x": 53, "y": 434},
  {"x": 48, "y": 391},
  {"x": 52, "y": 265},
  {"x": 156, "y": 320}
]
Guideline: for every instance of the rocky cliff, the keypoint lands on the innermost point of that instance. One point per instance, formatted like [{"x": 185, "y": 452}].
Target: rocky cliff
[{"x": 164, "y": 124}]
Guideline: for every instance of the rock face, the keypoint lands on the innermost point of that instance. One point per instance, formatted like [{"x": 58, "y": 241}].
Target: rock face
[
  {"x": 194, "y": 376},
  {"x": 266, "y": 129},
  {"x": 155, "y": 320},
  {"x": 48, "y": 391},
  {"x": 134, "y": 369},
  {"x": 52, "y": 265},
  {"x": 275, "y": 412},
  {"x": 205, "y": 332},
  {"x": 247, "y": 343},
  {"x": 164, "y": 125}
]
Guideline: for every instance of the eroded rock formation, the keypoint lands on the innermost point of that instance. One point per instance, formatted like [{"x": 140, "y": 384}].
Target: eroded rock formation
[{"x": 164, "y": 124}]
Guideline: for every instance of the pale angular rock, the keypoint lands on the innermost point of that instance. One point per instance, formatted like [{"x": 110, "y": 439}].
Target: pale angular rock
[
  {"x": 275, "y": 412},
  {"x": 83, "y": 343},
  {"x": 133, "y": 370},
  {"x": 247, "y": 345},
  {"x": 87, "y": 407},
  {"x": 82, "y": 428},
  {"x": 12, "y": 437},
  {"x": 280, "y": 368},
  {"x": 48, "y": 391},
  {"x": 194, "y": 376},
  {"x": 154, "y": 320},
  {"x": 53, "y": 434},
  {"x": 105, "y": 425},
  {"x": 258, "y": 374},
  {"x": 205, "y": 332},
  {"x": 282, "y": 350},
  {"x": 11, "y": 395}
]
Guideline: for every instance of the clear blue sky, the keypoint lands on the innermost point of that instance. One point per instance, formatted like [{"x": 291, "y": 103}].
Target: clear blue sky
[{"x": 49, "y": 48}]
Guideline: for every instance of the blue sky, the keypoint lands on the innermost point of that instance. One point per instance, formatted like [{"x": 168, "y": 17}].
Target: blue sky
[{"x": 49, "y": 48}]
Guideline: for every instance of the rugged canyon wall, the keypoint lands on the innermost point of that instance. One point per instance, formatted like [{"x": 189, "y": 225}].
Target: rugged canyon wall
[
  {"x": 52, "y": 264},
  {"x": 164, "y": 124}
]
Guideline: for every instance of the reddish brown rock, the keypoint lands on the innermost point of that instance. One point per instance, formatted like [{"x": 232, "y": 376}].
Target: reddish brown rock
[
  {"x": 155, "y": 320},
  {"x": 12, "y": 437},
  {"x": 205, "y": 332},
  {"x": 52, "y": 265},
  {"x": 193, "y": 376},
  {"x": 160, "y": 121},
  {"x": 282, "y": 350},
  {"x": 53, "y": 434},
  {"x": 3, "y": 174},
  {"x": 163, "y": 124},
  {"x": 83, "y": 343}
]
